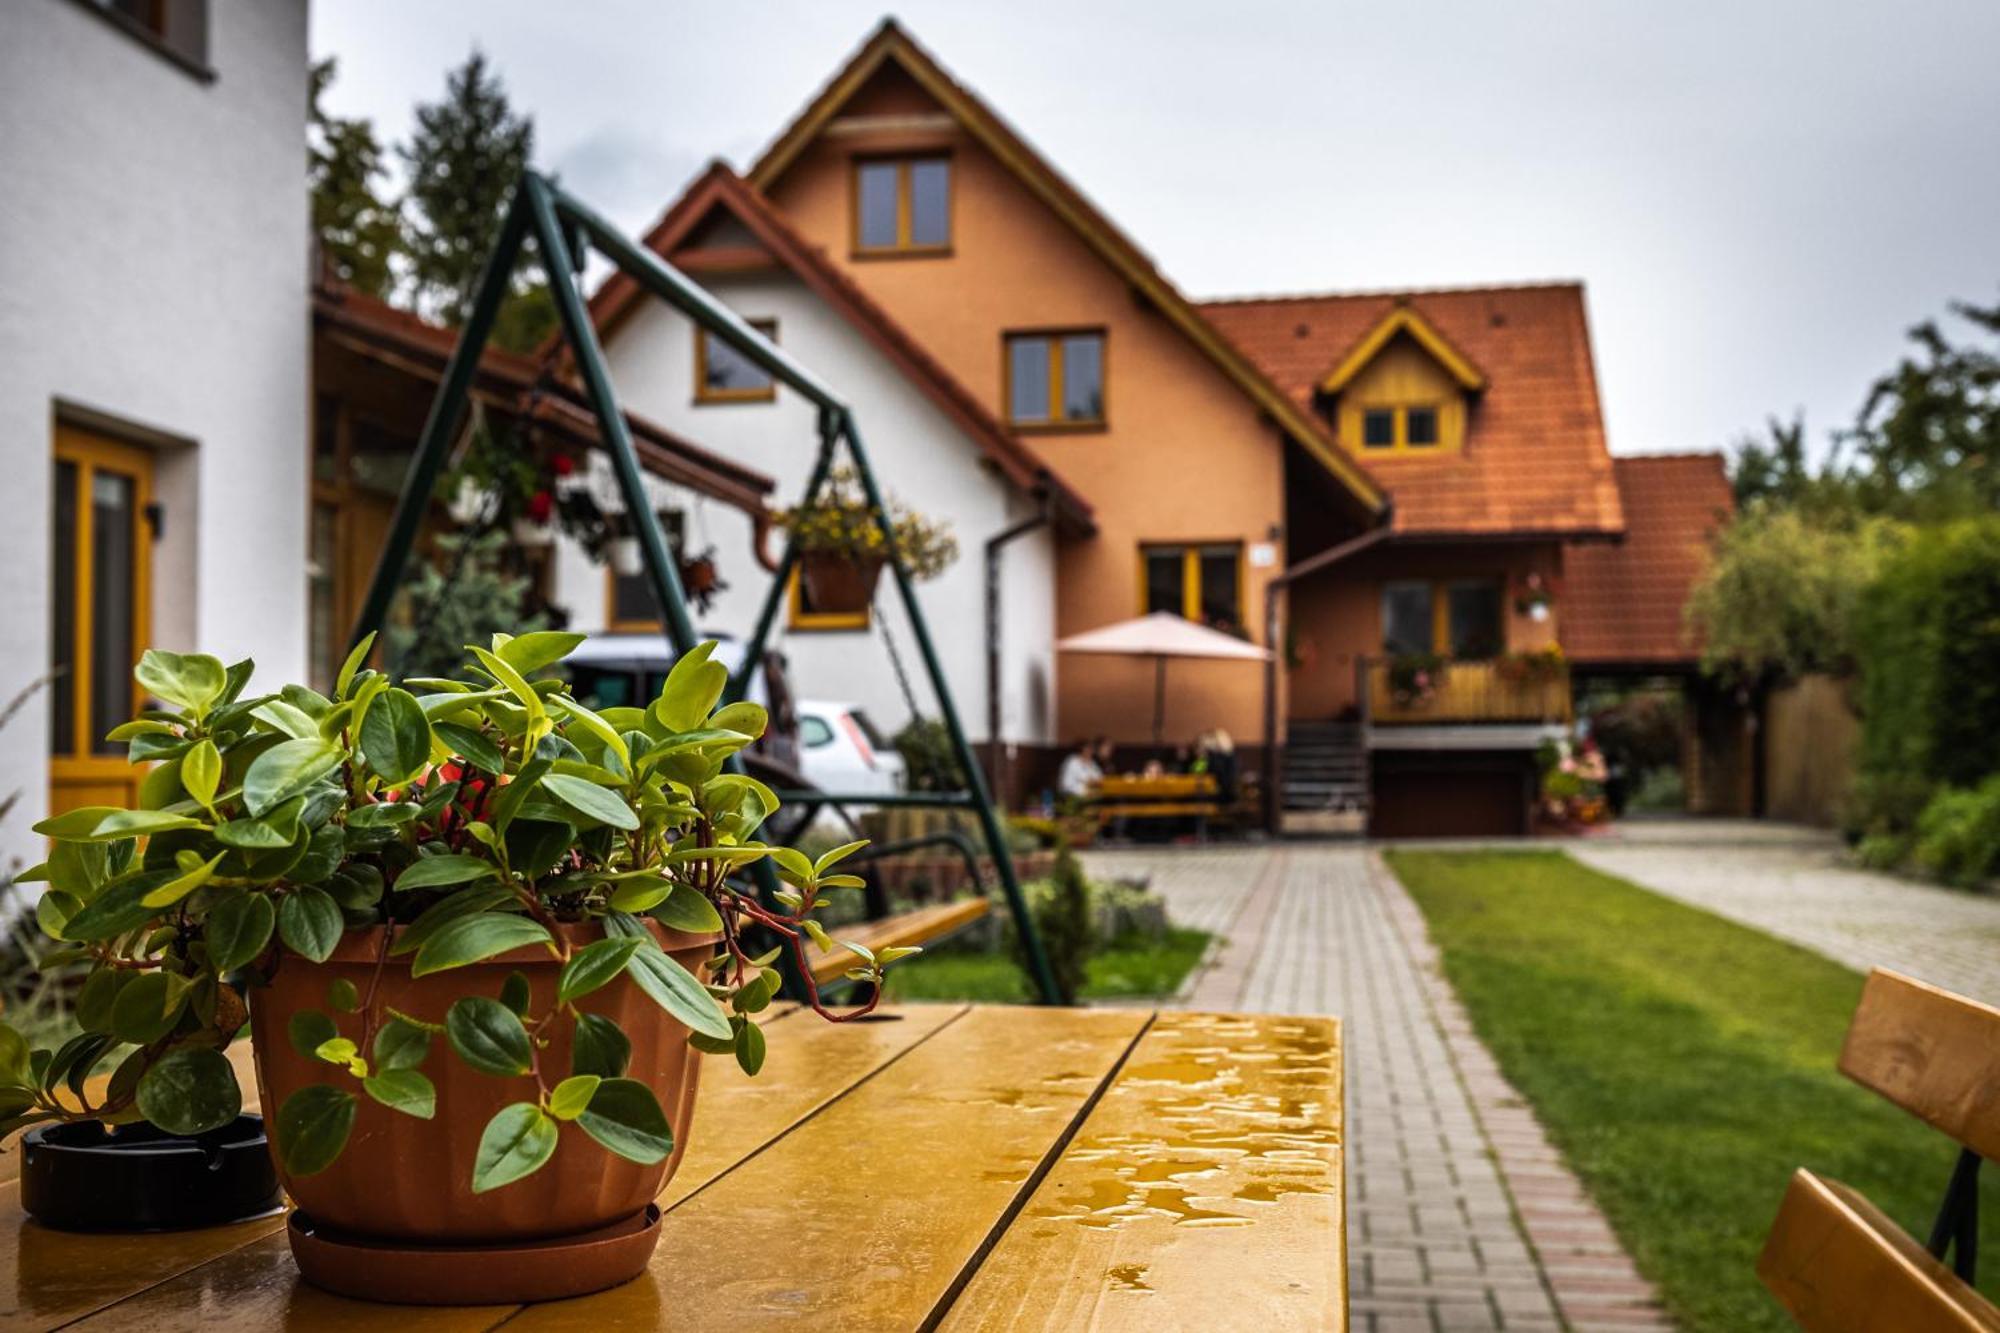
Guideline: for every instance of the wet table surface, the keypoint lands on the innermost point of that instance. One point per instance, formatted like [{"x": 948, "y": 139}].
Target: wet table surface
[{"x": 947, "y": 1166}]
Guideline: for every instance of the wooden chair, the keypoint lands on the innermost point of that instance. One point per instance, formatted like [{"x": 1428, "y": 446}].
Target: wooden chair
[{"x": 1833, "y": 1259}]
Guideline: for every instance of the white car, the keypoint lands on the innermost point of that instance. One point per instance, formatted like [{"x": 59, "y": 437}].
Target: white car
[{"x": 841, "y": 751}]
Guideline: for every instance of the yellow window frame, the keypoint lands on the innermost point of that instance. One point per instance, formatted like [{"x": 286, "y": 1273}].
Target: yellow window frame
[
  {"x": 1440, "y": 593},
  {"x": 1053, "y": 339},
  {"x": 821, "y": 622},
  {"x": 704, "y": 394},
  {"x": 1399, "y": 415},
  {"x": 1191, "y": 554},
  {"x": 904, "y": 247}
]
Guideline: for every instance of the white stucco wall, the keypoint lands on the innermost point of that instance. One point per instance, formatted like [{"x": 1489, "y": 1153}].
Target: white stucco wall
[
  {"x": 153, "y": 271},
  {"x": 920, "y": 457}
]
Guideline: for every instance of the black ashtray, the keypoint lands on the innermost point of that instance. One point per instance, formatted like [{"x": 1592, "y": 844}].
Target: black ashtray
[{"x": 83, "y": 1177}]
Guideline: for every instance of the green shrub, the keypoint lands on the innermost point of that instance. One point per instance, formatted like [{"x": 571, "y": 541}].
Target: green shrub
[
  {"x": 1065, "y": 922},
  {"x": 1958, "y": 834},
  {"x": 1883, "y": 851},
  {"x": 928, "y": 761},
  {"x": 1928, "y": 644}
]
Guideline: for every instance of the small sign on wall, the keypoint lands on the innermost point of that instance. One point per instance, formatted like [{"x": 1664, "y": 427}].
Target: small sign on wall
[{"x": 1263, "y": 555}]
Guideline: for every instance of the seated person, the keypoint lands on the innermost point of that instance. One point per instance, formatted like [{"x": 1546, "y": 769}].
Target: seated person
[{"x": 1080, "y": 772}]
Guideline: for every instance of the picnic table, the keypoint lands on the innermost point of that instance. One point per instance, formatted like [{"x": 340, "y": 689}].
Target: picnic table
[{"x": 948, "y": 1166}]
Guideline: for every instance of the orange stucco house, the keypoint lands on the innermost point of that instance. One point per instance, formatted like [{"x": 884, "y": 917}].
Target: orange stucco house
[{"x": 1394, "y": 491}]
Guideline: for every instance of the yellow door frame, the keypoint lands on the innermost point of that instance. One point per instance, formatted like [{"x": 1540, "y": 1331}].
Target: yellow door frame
[{"x": 77, "y": 776}]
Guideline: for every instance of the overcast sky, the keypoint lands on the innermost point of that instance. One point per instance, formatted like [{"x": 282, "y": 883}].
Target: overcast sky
[{"x": 1760, "y": 196}]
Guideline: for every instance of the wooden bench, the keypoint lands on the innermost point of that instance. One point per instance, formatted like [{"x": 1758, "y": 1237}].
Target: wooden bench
[
  {"x": 1833, "y": 1259},
  {"x": 1121, "y": 798},
  {"x": 897, "y": 932}
]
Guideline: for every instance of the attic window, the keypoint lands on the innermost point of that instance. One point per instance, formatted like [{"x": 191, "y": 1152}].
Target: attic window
[
  {"x": 1420, "y": 425},
  {"x": 1378, "y": 427},
  {"x": 902, "y": 206}
]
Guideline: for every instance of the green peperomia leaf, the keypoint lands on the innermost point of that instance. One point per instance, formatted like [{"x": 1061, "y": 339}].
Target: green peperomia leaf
[
  {"x": 16, "y": 1070},
  {"x": 641, "y": 893},
  {"x": 396, "y": 736},
  {"x": 116, "y": 910},
  {"x": 474, "y": 747},
  {"x": 487, "y": 1035},
  {"x": 355, "y": 658},
  {"x": 516, "y": 994},
  {"x": 313, "y": 1126},
  {"x": 201, "y": 772},
  {"x": 626, "y": 1118},
  {"x": 237, "y": 929},
  {"x": 689, "y": 910},
  {"x": 515, "y": 683},
  {"x": 183, "y": 884},
  {"x": 690, "y": 691},
  {"x": 519, "y": 1140},
  {"x": 598, "y": 727},
  {"x": 285, "y": 770},
  {"x": 383, "y": 814},
  {"x": 343, "y": 995},
  {"x": 569, "y": 1097},
  {"x": 599, "y": 1047},
  {"x": 287, "y": 719},
  {"x": 275, "y": 830},
  {"x": 138, "y": 823},
  {"x": 190, "y": 1090},
  {"x": 671, "y": 986},
  {"x": 75, "y": 825},
  {"x": 587, "y": 798},
  {"x": 403, "y": 1090},
  {"x": 310, "y": 924},
  {"x": 474, "y": 939},
  {"x": 438, "y": 915},
  {"x": 95, "y": 1002},
  {"x": 529, "y": 653},
  {"x": 593, "y": 966},
  {"x": 191, "y": 681},
  {"x": 400, "y": 1045},
  {"x": 308, "y": 1030},
  {"x": 750, "y": 1048},
  {"x": 438, "y": 871}
]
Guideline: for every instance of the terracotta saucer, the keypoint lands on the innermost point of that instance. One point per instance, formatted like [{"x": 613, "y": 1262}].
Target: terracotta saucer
[{"x": 410, "y": 1274}]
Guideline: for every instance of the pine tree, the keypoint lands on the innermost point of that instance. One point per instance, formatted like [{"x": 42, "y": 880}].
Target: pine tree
[
  {"x": 359, "y": 233},
  {"x": 464, "y": 159}
]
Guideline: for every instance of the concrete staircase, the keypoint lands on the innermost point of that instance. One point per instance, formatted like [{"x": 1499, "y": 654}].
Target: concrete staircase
[{"x": 1326, "y": 778}]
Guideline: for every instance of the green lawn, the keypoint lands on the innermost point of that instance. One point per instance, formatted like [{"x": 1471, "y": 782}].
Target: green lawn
[
  {"x": 1134, "y": 969},
  {"x": 1683, "y": 1064}
]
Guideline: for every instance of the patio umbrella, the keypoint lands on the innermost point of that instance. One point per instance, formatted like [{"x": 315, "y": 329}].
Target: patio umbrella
[{"x": 1159, "y": 636}]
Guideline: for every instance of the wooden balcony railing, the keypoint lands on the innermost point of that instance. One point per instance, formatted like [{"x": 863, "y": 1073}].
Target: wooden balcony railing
[{"x": 1468, "y": 692}]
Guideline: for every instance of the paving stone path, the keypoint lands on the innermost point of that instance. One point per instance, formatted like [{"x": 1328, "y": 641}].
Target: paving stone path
[
  {"x": 1800, "y": 890},
  {"x": 1461, "y": 1217}
]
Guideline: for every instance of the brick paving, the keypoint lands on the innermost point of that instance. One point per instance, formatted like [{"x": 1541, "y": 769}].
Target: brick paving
[
  {"x": 1800, "y": 889},
  {"x": 1461, "y": 1217}
]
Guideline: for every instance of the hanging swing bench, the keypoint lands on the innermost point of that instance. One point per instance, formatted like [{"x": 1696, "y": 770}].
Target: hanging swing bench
[{"x": 564, "y": 231}]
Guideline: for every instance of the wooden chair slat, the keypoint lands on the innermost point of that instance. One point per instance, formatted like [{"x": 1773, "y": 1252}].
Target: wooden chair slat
[
  {"x": 1933, "y": 1053},
  {"x": 1230, "y": 1122},
  {"x": 917, "y": 927},
  {"x": 256, "y": 1286},
  {"x": 874, "y": 1215},
  {"x": 1840, "y": 1266}
]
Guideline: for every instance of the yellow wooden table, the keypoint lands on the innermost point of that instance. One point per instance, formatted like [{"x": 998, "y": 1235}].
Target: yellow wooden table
[{"x": 946, "y": 1167}]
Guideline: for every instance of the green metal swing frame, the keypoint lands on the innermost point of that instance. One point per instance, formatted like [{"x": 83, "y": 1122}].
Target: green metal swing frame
[{"x": 564, "y": 229}]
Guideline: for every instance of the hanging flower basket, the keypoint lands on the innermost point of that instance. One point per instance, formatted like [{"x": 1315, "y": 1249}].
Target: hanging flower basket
[
  {"x": 626, "y": 558},
  {"x": 840, "y": 582}
]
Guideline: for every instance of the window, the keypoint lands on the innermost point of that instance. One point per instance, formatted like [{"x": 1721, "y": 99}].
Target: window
[
  {"x": 724, "y": 375},
  {"x": 633, "y": 605},
  {"x": 814, "y": 731},
  {"x": 1203, "y": 583},
  {"x": 1399, "y": 427},
  {"x": 1055, "y": 380},
  {"x": 902, "y": 206},
  {"x": 176, "y": 29},
  {"x": 1420, "y": 425},
  {"x": 1460, "y": 618}
]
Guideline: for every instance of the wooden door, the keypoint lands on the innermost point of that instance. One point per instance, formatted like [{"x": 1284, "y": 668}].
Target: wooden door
[{"x": 100, "y": 617}]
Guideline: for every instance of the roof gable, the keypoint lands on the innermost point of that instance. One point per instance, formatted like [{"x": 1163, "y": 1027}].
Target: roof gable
[
  {"x": 891, "y": 49},
  {"x": 720, "y": 221},
  {"x": 1534, "y": 461},
  {"x": 1406, "y": 322}
]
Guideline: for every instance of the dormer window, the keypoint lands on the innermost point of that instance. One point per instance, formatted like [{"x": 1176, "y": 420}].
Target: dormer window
[{"x": 1402, "y": 389}]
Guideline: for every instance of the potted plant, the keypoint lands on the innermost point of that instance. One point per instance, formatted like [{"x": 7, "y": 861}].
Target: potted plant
[
  {"x": 1413, "y": 678},
  {"x": 483, "y": 933},
  {"x": 1534, "y": 598},
  {"x": 843, "y": 544}
]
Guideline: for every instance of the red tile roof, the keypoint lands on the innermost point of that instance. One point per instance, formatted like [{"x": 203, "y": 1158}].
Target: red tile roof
[
  {"x": 720, "y": 188},
  {"x": 1534, "y": 459},
  {"x": 1620, "y": 603}
]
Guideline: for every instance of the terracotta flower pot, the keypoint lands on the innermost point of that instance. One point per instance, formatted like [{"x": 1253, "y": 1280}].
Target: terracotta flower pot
[
  {"x": 839, "y": 583},
  {"x": 405, "y": 1179}
]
